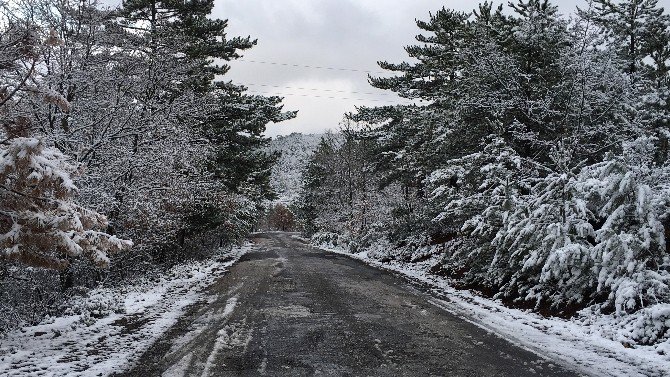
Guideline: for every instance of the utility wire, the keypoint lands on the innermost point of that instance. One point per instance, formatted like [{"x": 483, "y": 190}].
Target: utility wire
[
  {"x": 311, "y": 66},
  {"x": 326, "y": 97},
  {"x": 317, "y": 89}
]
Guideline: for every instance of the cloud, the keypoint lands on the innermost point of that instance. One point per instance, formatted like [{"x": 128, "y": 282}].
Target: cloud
[
  {"x": 338, "y": 34},
  {"x": 309, "y": 96},
  {"x": 352, "y": 34}
]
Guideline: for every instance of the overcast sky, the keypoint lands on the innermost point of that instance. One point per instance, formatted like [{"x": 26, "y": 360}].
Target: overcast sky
[{"x": 346, "y": 36}]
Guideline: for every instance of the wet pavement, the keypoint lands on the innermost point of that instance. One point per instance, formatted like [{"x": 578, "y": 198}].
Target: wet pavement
[{"x": 291, "y": 310}]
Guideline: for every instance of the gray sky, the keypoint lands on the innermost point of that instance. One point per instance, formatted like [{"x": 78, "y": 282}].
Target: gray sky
[
  {"x": 341, "y": 34},
  {"x": 348, "y": 36}
]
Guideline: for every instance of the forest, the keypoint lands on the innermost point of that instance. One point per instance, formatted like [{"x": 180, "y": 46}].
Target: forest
[
  {"x": 533, "y": 165},
  {"x": 123, "y": 148}
]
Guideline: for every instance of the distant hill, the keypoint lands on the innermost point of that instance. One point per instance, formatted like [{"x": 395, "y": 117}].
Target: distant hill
[{"x": 296, "y": 149}]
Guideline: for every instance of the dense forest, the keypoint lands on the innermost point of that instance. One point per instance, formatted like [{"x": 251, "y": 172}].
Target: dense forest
[
  {"x": 122, "y": 145},
  {"x": 533, "y": 165}
]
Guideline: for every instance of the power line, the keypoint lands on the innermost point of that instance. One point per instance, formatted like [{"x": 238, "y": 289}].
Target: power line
[
  {"x": 317, "y": 89},
  {"x": 326, "y": 97},
  {"x": 311, "y": 66}
]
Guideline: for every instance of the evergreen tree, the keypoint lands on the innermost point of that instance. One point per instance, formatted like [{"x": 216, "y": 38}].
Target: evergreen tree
[
  {"x": 235, "y": 128},
  {"x": 184, "y": 31},
  {"x": 639, "y": 32},
  {"x": 637, "y": 29}
]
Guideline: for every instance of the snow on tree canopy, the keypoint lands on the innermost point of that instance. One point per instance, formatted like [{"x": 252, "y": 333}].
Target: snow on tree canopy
[{"x": 40, "y": 223}]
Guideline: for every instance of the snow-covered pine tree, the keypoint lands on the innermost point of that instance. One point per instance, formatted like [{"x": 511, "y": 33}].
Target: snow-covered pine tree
[
  {"x": 234, "y": 126},
  {"x": 533, "y": 81},
  {"x": 639, "y": 32},
  {"x": 474, "y": 195},
  {"x": 315, "y": 205},
  {"x": 230, "y": 121},
  {"x": 628, "y": 194},
  {"x": 541, "y": 251},
  {"x": 636, "y": 29}
]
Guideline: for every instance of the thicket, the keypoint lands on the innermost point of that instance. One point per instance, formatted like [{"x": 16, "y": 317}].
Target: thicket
[
  {"x": 120, "y": 125},
  {"x": 535, "y": 165}
]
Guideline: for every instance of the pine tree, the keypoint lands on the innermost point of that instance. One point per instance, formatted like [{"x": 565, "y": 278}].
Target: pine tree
[
  {"x": 315, "y": 203},
  {"x": 628, "y": 193},
  {"x": 235, "y": 128},
  {"x": 231, "y": 121},
  {"x": 185, "y": 30},
  {"x": 637, "y": 29}
]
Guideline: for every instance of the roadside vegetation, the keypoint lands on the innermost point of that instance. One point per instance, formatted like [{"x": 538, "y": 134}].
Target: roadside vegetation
[
  {"x": 532, "y": 167},
  {"x": 123, "y": 148}
]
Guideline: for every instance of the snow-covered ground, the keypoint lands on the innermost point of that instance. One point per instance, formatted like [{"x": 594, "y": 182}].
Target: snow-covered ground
[
  {"x": 584, "y": 342},
  {"x": 112, "y": 327}
]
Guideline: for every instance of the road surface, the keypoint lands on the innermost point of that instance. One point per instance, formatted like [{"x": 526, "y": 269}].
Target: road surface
[{"x": 291, "y": 310}]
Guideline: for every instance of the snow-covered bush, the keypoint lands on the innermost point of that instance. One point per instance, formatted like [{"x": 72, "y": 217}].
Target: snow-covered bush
[
  {"x": 476, "y": 192},
  {"x": 382, "y": 250},
  {"x": 330, "y": 240},
  {"x": 42, "y": 225},
  {"x": 596, "y": 236},
  {"x": 630, "y": 195},
  {"x": 97, "y": 303},
  {"x": 648, "y": 326}
]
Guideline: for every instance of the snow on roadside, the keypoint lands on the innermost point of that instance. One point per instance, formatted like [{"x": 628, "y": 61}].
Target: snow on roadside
[
  {"x": 576, "y": 343},
  {"x": 131, "y": 318}
]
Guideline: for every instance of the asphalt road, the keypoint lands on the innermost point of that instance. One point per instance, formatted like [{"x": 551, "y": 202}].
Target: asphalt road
[{"x": 291, "y": 310}]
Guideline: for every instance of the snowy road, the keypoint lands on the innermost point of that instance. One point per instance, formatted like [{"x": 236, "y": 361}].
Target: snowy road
[{"x": 290, "y": 310}]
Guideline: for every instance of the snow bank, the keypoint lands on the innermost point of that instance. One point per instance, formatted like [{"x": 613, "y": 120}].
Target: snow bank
[
  {"x": 110, "y": 328},
  {"x": 593, "y": 343}
]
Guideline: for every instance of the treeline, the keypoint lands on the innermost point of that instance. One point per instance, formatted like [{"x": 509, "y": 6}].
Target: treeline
[
  {"x": 119, "y": 125},
  {"x": 535, "y": 164}
]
